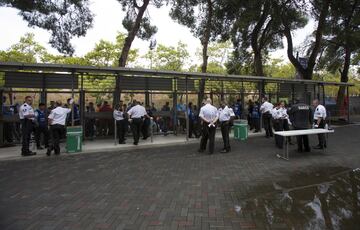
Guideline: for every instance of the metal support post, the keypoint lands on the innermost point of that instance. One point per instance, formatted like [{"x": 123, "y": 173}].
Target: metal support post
[
  {"x": 72, "y": 96},
  {"x": 323, "y": 96},
  {"x": 242, "y": 95},
  {"x": 115, "y": 133},
  {"x": 348, "y": 103},
  {"x": 1, "y": 119},
  {"x": 147, "y": 95},
  {"x": 174, "y": 115},
  {"x": 187, "y": 109}
]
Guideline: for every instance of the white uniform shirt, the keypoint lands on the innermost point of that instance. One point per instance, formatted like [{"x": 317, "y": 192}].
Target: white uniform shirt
[
  {"x": 208, "y": 112},
  {"x": 279, "y": 113},
  {"x": 276, "y": 113},
  {"x": 320, "y": 112},
  {"x": 118, "y": 115},
  {"x": 137, "y": 111},
  {"x": 225, "y": 114},
  {"x": 58, "y": 115},
  {"x": 26, "y": 110},
  {"x": 266, "y": 107}
]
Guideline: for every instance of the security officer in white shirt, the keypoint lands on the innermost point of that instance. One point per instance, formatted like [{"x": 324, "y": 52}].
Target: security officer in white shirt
[
  {"x": 119, "y": 116},
  {"x": 276, "y": 113},
  {"x": 27, "y": 117},
  {"x": 265, "y": 110},
  {"x": 57, "y": 120},
  {"x": 137, "y": 114},
  {"x": 226, "y": 114},
  {"x": 319, "y": 122},
  {"x": 209, "y": 116},
  {"x": 281, "y": 122}
]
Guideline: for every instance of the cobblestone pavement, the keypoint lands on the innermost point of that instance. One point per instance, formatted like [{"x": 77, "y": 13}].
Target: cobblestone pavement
[{"x": 157, "y": 188}]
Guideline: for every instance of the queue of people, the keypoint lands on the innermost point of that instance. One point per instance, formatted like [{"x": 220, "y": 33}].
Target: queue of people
[
  {"x": 42, "y": 122},
  {"x": 48, "y": 124},
  {"x": 299, "y": 116}
]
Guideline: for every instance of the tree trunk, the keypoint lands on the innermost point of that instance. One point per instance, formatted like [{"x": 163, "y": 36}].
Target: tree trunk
[
  {"x": 256, "y": 47},
  {"x": 205, "y": 43},
  {"x": 258, "y": 65},
  {"x": 306, "y": 73},
  {"x": 340, "y": 102},
  {"x": 127, "y": 45},
  {"x": 132, "y": 34}
]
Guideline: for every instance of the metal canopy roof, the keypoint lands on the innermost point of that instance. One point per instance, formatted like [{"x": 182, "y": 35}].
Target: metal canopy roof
[{"x": 78, "y": 69}]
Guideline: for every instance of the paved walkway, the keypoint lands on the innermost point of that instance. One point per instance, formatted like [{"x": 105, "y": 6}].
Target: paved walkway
[
  {"x": 108, "y": 145},
  {"x": 166, "y": 188}
]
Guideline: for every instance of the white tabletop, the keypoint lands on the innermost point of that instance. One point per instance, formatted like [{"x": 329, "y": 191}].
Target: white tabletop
[{"x": 303, "y": 132}]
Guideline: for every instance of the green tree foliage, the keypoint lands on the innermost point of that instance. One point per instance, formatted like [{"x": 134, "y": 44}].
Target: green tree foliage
[
  {"x": 169, "y": 57},
  {"x": 26, "y": 50},
  {"x": 254, "y": 28},
  {"x": 106, "y": 53},
  {"x": 200, "y": 17},
  {"x": 64, "y": 18},
  {"x": 342, "y": 40},
  {"x": 137, "y": 23},
  {"x": 277, "y": 68}
]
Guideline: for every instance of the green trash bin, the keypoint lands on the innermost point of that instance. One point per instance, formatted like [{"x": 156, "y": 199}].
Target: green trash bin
[
  {"x": 240, "y": 131},
  {"x": 74, "y": 139}
]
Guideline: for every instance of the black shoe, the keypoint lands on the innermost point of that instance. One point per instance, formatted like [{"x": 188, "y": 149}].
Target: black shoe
[
  {"x": 318, "y": 147},
  {"x": 48, "y": 152},
  {"x": 201, "y": 150},
  {"x": 135, "y": 143},
  {"x": 307, "y": 150},
  {"x": 57, "y": 153},
  {"x": 29, "y": 154},
  {"x": 122, "y": 143},
  {"x": 144, "y": 138}
]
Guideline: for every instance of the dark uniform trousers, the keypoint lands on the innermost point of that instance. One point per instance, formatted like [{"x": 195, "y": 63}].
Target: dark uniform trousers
[
  {"x": 27, "y": 127},
  {"x": 208, "y": 133},
  {"x": 267, "y": 124},
  {"x": 121, "y": 130},
  {"x": 136, "y": 128},
  {"x": 321, "y": 136},
  {"x": 279, "y": 126},
  {"x": 145, "y": 128},
  {"x": 42, "y": 130},
  {"x": 255, "y": 123},
  {"x": 225, "y": 130},
  {"x": 191, "y": 127},
  {"x": 8, "y": 131},
  {"x": 56, "y": 132},
  {"x": 302, "y": 141}
]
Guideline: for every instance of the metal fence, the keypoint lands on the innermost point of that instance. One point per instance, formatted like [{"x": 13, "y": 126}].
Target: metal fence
[{"x": 50, "y": 82}]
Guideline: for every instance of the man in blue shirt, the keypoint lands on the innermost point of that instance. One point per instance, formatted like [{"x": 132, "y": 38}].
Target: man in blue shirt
[
  {"x": 192, "y": 119},
  {"x": 7, "y": 111},
  {"x": 237, "y": 109},
  {"x": 41, "y": 127}
]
